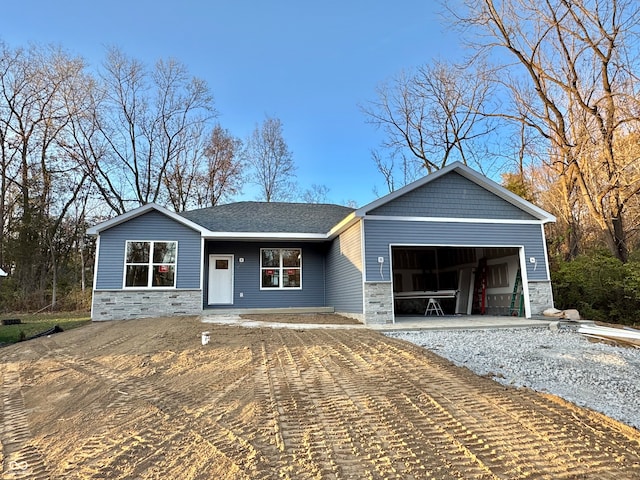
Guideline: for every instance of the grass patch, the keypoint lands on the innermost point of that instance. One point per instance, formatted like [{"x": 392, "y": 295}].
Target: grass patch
[{"x": 31, "y": 325}]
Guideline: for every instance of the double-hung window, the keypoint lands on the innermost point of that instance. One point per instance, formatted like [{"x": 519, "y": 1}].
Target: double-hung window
[
  {"x": 150, "y": 264},
  {"x": 280, "y": 268}
]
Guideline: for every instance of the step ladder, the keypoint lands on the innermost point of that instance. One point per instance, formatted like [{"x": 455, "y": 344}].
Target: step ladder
[
  {"x": 433, "y": 306},
  {"x": 517, "y": 297}
]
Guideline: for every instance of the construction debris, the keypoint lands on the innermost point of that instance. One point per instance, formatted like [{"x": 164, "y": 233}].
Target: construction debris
[
  {"x": 570, "y": 314},
  {"x": 625, "y": 336}
]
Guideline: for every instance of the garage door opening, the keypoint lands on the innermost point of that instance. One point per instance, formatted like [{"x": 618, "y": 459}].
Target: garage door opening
[{"x": 457, "y": 281}]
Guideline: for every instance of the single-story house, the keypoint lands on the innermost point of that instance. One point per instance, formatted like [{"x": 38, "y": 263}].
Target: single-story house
[{"x": 453, "y": 242}]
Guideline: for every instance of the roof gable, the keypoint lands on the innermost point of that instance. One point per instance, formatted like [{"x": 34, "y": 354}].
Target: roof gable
[
  {"x": 456, "y": 191},
  {"x": 125, "y": 217},
  {"x": 452, "y": 196}
]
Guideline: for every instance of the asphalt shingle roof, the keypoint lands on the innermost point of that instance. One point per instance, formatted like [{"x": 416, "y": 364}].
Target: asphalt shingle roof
[{"x": 269, "y": 217}]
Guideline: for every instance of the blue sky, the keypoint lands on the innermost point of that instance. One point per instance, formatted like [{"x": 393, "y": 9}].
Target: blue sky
[{"x": 310, "y": 64}]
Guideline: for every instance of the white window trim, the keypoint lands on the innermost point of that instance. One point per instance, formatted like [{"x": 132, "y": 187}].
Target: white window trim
[
  {"x": 150, "y": 264},
  {"x": 281, "y": 268}
]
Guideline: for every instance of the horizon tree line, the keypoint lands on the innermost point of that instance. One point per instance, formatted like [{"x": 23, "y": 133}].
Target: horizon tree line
[{"x": 79, "y": 146}]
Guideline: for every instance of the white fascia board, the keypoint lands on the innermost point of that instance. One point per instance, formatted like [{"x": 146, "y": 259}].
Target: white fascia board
[
  {"x": 455, "y": 220},
  {"x": 97, "y": 229},
  {"x": 343, "y": 225}
]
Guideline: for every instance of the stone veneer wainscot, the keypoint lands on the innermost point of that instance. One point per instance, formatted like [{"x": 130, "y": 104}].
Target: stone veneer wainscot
[
  {"x": 540, "y": 296},
  {"x": 126, "y": 304},
  {"x": 378, "y": 303}
]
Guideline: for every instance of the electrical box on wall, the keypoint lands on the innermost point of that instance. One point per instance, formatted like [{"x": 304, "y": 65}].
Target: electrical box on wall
[
  {"x": 380, "y": 259},
  {"x": 241, "y": 260}
]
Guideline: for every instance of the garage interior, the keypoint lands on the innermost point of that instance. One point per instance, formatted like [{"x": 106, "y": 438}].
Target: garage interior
[{"x": 460, "y": 280}]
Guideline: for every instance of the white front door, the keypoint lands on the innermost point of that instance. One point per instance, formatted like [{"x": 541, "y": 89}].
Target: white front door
[{"x": 220, "y": 279}]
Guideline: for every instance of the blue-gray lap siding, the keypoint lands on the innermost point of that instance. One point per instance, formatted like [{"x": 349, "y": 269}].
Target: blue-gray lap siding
[
  {"x": 152, "y": 225},
  {"x": 247, "y": 275},
  {"x": 380, "y": 234},
  {"x": 452, "y": 196},
  {"x": 344, "y": 271}
]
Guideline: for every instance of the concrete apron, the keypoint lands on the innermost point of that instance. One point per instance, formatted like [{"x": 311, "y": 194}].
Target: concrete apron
[{"x": 445, "y": 322}]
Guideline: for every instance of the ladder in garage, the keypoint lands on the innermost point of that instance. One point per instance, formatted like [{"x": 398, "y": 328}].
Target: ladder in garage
[{"x": 517, "y": 297}]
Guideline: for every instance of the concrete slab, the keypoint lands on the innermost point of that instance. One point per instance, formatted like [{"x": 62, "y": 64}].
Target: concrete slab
[
  {"x": 460, "y": 322},
  {"x": 238, "y": 321},
  {"x": 445, "y": 322}
]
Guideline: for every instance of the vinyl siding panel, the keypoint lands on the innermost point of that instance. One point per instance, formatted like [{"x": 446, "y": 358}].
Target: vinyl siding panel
[
  {"x": 344, "y": 271},
  {"x": 152, "y": 225},
  {"x": 452, "y": 196},
  {"x": 247, "y": 275},
  {"x": 379, "y": 234}
]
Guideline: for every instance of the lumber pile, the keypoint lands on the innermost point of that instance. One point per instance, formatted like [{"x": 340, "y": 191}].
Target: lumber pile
[{"x": 626, "y": 336}]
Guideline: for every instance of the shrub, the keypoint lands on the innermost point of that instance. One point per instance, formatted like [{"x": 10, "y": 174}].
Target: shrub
[{"x": 600, "y": 286}]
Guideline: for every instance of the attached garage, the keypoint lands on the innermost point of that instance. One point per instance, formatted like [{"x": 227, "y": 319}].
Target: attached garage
[
  {"x": 462, "y": 280},
  {"x": 460, "y": 238}
]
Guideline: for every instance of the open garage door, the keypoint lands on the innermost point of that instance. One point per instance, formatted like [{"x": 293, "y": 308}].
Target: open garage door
[{"x": 458, "y": 280}]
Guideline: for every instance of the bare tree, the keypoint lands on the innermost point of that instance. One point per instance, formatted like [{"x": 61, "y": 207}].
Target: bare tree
[
  {"x": 271, "y": 162},
  {"x": 570, "y": 70},
  {"x": 183, "y": 175},
  {"x": 224, "y": 174},
  {"x": 34, "y": 84},
  {"x": 430, "y": 118},
  {"x": 396, "y": 172},
  {"x": 211, "y": 173},
  {"x": 315, "y": 194},
  {"x": 8, "y": 153},
  {"x": 143, "y": 122}
]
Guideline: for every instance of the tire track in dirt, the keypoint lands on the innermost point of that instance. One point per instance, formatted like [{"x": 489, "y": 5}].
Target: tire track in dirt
[
  {"x": 338, "y": 414},
  {"x": 292, "y": 404},
  {"x": 301, "y": 446},
  {"x": 20, "y": 458},
  {"x": 359, "y": 389},
  {"x": 178, "y": 414},
  {"x": 538, "y": 435}
]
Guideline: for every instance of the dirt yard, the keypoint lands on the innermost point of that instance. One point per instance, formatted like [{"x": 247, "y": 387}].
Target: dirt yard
[{"x": 144, "y": 399}]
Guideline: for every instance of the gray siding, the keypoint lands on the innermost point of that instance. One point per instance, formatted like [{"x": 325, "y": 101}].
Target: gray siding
[
  {"x": 152, "y": 225},
  {"x": 344, "y": 271},
  {"x": 379, "y": 234},
  {"x": 452, "y": 196},
  {"x": 247, "y": 276}
]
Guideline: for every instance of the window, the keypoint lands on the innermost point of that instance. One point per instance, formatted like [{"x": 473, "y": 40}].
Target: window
[
  {"x": 150, "y": 264},
  {"x": 497, "y": 275},
  {"x": 280, "y": 268}
]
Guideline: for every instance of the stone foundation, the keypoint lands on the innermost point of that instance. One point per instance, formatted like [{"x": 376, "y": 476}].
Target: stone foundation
[
  {"x": 378, "y": 303},
  {"x": 540, "y": 297},
  {"x": 127, "y": 304}
]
